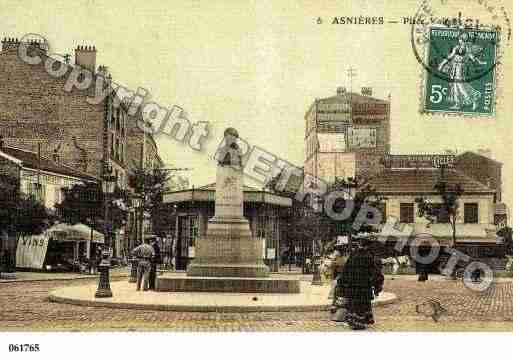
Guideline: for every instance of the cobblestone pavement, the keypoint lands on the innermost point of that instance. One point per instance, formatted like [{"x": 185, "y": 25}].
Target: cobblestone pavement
[{"x": 25, "y": 306}]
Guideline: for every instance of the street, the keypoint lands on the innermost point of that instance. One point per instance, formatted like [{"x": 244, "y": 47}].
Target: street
[{"x": 25, "y": 307}]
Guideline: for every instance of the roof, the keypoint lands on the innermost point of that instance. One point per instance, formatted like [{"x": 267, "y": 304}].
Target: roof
[
  {"x": 422, "y": 181},
  {"x": 474, "y": 154},
  {"x": 30, "y": 160},
  {"x": 354, "y": 97},
  {"x": 207, "y": 194},
  {"x": 212, "y": 187}
]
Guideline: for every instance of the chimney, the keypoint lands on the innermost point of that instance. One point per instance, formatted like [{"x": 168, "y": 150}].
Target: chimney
[
  {"x": 341, "y": 91},
  {"x": 38, "y": 44},
  {"x": 85, "y": 56},
  {"x": 9, "y": 43}
]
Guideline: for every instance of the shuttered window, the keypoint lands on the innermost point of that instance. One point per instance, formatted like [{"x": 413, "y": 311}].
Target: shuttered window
[
  {"x": 471, "y": 213},
  {"x": 406, "y": 213}
]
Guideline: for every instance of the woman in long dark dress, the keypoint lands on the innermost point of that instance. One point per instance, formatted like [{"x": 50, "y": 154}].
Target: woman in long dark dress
[{"x": 360, "y": 281}]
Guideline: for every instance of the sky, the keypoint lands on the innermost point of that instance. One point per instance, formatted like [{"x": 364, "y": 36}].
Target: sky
[{"x": 258, "y": 65}]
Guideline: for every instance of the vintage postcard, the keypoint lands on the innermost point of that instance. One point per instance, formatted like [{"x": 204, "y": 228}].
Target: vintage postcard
[{"x": 291, "y": 166}]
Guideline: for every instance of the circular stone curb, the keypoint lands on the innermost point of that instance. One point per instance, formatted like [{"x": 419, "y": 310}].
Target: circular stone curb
[{"x": 67, "y": 296}]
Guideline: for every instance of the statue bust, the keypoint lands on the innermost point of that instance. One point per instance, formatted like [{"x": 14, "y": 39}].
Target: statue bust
[{"x": 230, "y": 154}]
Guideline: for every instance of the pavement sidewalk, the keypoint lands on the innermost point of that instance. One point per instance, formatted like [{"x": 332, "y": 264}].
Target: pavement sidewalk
[{"x": 118, "y": 272}]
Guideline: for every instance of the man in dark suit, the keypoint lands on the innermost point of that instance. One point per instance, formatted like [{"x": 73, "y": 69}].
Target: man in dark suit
[{"x": 156, "y": 259}]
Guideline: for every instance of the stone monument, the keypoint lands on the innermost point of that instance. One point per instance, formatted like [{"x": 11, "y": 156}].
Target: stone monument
[
  {"x": 229, "y": 250},
  {"x": 229, "y": 258}
]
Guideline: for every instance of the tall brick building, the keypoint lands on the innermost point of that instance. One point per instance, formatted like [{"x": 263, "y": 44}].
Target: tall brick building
[
  {"x": 140, "y": 144},
  {"x": 36, "y": 108},
  {"x": 347, "y": 135}
]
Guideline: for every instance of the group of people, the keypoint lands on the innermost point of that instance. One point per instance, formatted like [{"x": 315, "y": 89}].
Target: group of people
[
  {"x": 148, "y": 256},
  {"x": 358, "y": 279}
]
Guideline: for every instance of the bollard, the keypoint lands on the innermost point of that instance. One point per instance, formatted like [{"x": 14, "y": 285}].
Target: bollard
[
  {"x": 104, "y": 290},
  {"x": 133, "y": 270}
]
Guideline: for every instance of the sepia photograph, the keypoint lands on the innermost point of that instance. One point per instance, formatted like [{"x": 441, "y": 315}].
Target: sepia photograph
[{"x": 328, "y": 173}]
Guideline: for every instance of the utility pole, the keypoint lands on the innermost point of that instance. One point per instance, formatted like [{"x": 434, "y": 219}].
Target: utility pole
[
  {"x": 351, "y": 73},
  {"x": 142, "y": 194}
]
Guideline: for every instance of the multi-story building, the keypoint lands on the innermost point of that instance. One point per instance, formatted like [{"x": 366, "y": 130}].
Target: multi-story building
[
  {"x": 346, "y": 136},
  {"x": 36, "y": 109},
  {"x": 141, "y": 145},
  {"x": 409, "y": 177},
  {"x": 40, "y": 112},
  {"x": 142, "y": 154}
]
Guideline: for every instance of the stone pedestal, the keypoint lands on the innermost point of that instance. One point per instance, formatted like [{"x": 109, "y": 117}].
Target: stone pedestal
[
  {"x": 228, "y": 249},
  {"x": 228, "y": 258}
]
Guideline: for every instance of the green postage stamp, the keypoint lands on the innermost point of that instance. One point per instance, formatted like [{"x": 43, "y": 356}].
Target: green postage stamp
[{"x": 461, "y": 66}]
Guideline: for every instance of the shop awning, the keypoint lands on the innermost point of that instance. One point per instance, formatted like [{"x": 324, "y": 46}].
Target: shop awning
[{"x": 77, "y": 232}]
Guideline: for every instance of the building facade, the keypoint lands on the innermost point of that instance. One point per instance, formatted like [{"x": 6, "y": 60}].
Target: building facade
[
  {"x": 38, "y": 176},
  {"x": 142, "y": 153},
  {"x": 346, "y": 136},
  {"x": 193, "y": 208},
  {"x": 38, "y": 109},
  {"x": 38, "y": 112},
  {"x": 407, "y": 178},
  {"x": 483, "y": 168}
]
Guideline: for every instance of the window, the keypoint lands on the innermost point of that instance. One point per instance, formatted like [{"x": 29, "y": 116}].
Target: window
[
  {"x": 118, "y": 118},
  {"x": 260, "y": 227},
  {"x": 406, "y": 213},
  {"x": 112, "y": 145},
  {"x": 117, "y": 148},
  {"x": 36, "y": 190},
  {"x": 471, "y": 213},
  {"x": 58, "y": 195},
  {"x": 188, "y": 233}
]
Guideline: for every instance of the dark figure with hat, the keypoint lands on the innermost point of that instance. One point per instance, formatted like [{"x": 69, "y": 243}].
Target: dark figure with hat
[
  {"x": 360, "y": 282},
  {"x": 155, "y": 261},
  {"x": 144, "y": 254}
]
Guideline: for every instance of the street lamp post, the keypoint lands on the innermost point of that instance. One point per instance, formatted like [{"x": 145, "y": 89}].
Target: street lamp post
[
  {"x": 316, "y": 257},
  {"x": 104, "y": 290},
  {"x": 134, "y": 262},
  {"x": 316, "y": 280}
]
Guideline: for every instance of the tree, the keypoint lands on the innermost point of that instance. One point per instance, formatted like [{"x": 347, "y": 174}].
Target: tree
[
  {"x": 448, "y": 210},
  {"x": 310, "y": 226},
  {"x": 21, "y": 214},
  {"x": 150, "y": 185},
  {"x": 362, "y": 197},
  {"x": 86, "y": 203}
]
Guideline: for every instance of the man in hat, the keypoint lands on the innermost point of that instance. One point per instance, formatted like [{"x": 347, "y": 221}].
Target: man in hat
[
  {"x": 155, "y": 261},
  {"x": 144, "y": 253},
  {"x": 361, "y": 280}
]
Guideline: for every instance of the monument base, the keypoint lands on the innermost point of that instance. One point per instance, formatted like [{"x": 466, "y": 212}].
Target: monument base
[
  {"x": 227, "y": 285},
  {"x": 228, "y": 250},
  {"x": 228, "y": 270}
]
